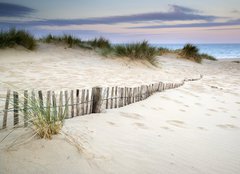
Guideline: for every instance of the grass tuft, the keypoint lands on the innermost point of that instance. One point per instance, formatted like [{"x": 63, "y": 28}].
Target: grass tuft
[
  {"x": 46, "y": 121},
  {"x": 207, "y": 56},
  {"x": 191, "y": 52},
  {"x": 137, "y": 51},
  {"x": 15, "y": 37},
  {"x": 65, "y": 39},
  {"x": 101, "y": 43}
]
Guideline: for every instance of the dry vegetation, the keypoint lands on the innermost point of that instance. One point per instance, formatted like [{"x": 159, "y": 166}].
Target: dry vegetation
[{"x": 135, "y": 51}]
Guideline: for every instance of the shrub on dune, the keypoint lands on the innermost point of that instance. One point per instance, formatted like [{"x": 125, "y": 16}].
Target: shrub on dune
[
  {"x": 66, "y": 39},
  {"x": 15, "y": 37},
  {"x": 136, "y": 51},
  {"x": 190, "y": 51},
  {"x": 207, "y": 56},
  {"x": 45, "y": 121},
  {"x": 101, "y": 43}
]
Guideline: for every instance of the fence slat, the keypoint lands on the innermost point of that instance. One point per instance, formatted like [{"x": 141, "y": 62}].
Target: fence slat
[
  {"x": 6, "y": 109},
  {"x": 77, "y": 103},
  {"x": 54, "y": 103},
  {"x": 112, "y": 93},
  {"x": 97, "y": 99},
  {"x": 60, "y": 108},
  {"x": 40, "y": 96},
  {"x": 72, "y": 103},
  {"x": 116, "y": 96},
  {"x": 107, "y": 95},
  {"x": 91, "y": 102},
  {"x": 16, "y": 108},
  {"x": 25, "y": 109},
  {"x": 82, "y": 102},
  {"x": 87, "y": 101},
  {"x": 66, "y": 104}
]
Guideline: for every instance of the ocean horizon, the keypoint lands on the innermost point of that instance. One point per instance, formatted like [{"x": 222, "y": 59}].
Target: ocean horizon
[{"x": 219, "y": 51}]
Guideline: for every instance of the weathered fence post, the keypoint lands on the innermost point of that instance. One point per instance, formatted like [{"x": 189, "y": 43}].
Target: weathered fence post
[
  {"x": 112, "y": 93},
  {"x": 66, "y": 104},
  {"x": 60, "y": 108},
  {"x": 116, "y": 97},
  {"x": 54, "y": 103},
  {"x": 25, "y": 109},
  {"x": 77, "y": 103},
  {"x": 15, "y": 108},
  {"x": 83, "y": 102},
  {"x": 120, "y": 104},
  {"x": 107, "y": 95},
  {"x": 72, "y": 103},
  {"x": 40, "y": 95},
  {"x": 97, "y": 99},
  {"x": 6, "y": 109},
  {"x": 87, "y": 100}
]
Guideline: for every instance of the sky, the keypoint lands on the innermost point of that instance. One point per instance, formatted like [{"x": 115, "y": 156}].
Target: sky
[{"x": 158, "y": 21}]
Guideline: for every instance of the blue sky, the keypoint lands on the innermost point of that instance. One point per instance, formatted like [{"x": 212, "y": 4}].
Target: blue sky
[{"x": 159, "y": 21}]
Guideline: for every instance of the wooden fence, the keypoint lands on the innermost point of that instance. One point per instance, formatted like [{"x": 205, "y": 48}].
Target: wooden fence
[{"x": 76, "y": 102}]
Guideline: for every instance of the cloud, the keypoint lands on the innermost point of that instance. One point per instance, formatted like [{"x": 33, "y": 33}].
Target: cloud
[
  {"x": 192, "y": 25},
  {"x": 235, "y": 11},
  {"x": 175, "y": 13},
  {"x": 14, "y": 10}
]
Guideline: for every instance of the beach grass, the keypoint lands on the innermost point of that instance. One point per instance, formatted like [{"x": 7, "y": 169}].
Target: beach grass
[
  {"x": 13, "y": 37},
  {"x": 137, "y": 51},
  {"x": 45, "y": 121},
  {"x": 207, "y": 56},
  {"x": 190, "y": 51},
  {"x": 101, "y": 43}
]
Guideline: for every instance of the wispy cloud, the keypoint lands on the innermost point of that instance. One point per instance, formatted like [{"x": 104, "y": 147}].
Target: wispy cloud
[
  {"x": 235, "y": 11},
  {"x": 14, "y": 10},
  {"x": 175, "y": 13},
  {"x": 192, "y": 25}
]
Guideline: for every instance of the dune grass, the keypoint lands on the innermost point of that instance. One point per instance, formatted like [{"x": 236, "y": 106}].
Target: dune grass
[
  {"x": 45, "y": 121},
  {"x": 207, "y": 56},
  {"x": 14, "y": 37},
  {"x": 69, "y": 40},
  {"x": 137, "y": 51},
  {"x": 191, "y": 52},
  {"x": 101, "y": 43}
]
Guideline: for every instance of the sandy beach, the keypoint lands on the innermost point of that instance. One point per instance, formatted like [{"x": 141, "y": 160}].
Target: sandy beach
[{"x": 193, "y": 129}]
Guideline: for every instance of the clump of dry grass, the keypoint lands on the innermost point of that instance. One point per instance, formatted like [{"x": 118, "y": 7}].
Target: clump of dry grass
[
  {"x": 14, "y": 37},
  {"x": 137, "y": 51},
  {"x": 191, "y": 52},
  {"x": 45, "y": 121}
]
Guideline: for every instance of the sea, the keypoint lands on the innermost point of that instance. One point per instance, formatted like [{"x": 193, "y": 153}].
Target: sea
[{"x": 219, "y": 51}]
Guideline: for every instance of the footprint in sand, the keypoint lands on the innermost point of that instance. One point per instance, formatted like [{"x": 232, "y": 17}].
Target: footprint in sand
[
  {"x": 167, "y": 128},
  {"x": 176, "y": 123},
  {"x": 212, "y": 110},
  {"x": 111, "y": 123},
  {"x": 202, "y": 128},
  {"x": 140, "y": 125},
  {"x": 227, "y": 126},
  {"x": 182, "y": 110},
  {"x": 198, "y": 104},
  {"x": 238, "y": 103},
  {"x": 131, "y": 115}
]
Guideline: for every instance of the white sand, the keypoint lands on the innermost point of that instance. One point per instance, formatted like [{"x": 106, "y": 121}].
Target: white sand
[{"x": 192, "y": 129}]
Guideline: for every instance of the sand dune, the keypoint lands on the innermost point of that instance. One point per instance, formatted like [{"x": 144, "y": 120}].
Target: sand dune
[{"x": 192, "y": 130}]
